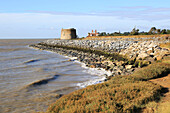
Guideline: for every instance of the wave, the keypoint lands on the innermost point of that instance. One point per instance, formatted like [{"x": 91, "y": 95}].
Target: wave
[
  {"x": 43, "y": 81},
  {"x": 11, "y": 49},
  {"x": 13, "y": 58},
  {"x": 93, "y": 71},
  {"x": 102, "y": 73},
  {"x": 31, "y": 61},
  {"x": 91, "y": 82}
]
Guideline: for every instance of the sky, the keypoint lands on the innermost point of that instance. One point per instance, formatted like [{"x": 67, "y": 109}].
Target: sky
[{"x": 46, "y": 18}]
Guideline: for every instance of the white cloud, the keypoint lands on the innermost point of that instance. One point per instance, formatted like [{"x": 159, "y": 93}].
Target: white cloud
[
  {"x": 137, "y": 7},
  {"x": 49, "y": 25},
  {"x": 138, "y": 12}
]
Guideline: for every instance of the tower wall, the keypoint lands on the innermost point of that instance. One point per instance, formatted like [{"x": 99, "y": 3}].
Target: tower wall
[{"x": 68, "y": 34}]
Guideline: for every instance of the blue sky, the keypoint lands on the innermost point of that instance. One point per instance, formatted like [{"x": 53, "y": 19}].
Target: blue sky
[{"x": 46, "y": 18}]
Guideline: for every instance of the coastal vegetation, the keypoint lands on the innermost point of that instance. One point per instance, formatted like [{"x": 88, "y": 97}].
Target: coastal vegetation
[
  {"x": 120, "y": 94},
  {"x": 152, "y": 31}
]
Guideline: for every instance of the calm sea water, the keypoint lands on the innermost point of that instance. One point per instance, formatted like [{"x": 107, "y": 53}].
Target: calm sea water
[{"x": 31, "y": 79}]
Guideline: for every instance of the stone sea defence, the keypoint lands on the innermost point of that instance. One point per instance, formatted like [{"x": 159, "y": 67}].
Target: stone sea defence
[{"x": 120, "y": 56}]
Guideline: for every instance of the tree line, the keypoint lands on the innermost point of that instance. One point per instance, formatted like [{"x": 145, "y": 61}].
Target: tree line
[{"x": 135, "y": 31}]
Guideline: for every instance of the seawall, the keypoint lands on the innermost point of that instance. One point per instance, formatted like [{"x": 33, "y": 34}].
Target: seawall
[{"x": 120, "y": 56}]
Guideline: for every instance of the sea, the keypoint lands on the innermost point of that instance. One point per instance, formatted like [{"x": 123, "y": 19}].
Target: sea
[{"x": 31, "y": 80}]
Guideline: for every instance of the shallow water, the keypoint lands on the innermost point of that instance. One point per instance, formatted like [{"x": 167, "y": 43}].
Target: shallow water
[{"x": 31, "y": 79}]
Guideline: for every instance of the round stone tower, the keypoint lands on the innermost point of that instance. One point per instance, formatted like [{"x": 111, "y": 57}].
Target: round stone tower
[{"x": 68, "y": 34}]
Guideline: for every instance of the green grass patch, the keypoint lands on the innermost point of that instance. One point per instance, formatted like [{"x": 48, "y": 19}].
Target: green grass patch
[{"x": 155, "y": 70}]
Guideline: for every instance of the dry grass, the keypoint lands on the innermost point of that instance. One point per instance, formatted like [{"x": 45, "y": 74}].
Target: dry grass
[
  {"x": 107, "y": 98},
  {"x": 166, "y": 60},
  {"x": 166, "y": 45},
  {"x": 164, "y": 107},
  {"x": 134, "y": 36},
  {"x": 155, "y": 70},
  {"x": 119, "y": 94}
]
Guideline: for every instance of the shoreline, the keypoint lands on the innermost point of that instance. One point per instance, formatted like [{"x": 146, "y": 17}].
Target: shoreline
[
  {"x": 118, "y": 57},
  {"x": 88, "y": 57},
  {"x": 129, "y": 61},
  {"x": 100, "y": 72}
]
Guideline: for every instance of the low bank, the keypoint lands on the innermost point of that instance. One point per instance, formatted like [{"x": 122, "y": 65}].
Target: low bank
[{"x": 121, "y": 94}]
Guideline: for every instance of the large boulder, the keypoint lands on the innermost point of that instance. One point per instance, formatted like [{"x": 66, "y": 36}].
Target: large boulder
[
  {"x": 142, "y": 56},
  {"x": 128, "y": 66}
]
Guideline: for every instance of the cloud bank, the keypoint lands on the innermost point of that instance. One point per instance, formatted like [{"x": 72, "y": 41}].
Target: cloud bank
[
  {"x": 47, "y": 24},
  {"x": 137, "y": 12}
]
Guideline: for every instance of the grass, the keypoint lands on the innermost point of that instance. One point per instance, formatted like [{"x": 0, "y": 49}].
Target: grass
[
  {"x": 166, "y": 60},
  {"x": 155, "y": 70},
  {"x": 134, "y": 36},
  {"x": 166, "y": 45},
  {"x": 164, "y": 108},
  {"x": 119, "y": 94}
]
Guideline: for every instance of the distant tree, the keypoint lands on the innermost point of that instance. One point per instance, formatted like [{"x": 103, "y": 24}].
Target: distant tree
[
  {"x": 116, "y": 33},
  {"x": 163, "y": 31},
  {"x": 134, "y": 31},
  {"x": 137, "y": 31},
  {"x": 168, "y": 31},
  {"x": 111, "y": 34},
  {"x": 102, "y": 34},
  {"x": 158, "y": 31},
  {"x": 143, "y": 33},
  {"x": 126, "y": 33},
  {"x": 152, "y": 30}
]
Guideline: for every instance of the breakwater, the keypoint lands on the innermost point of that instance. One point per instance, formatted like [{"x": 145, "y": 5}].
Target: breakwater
[{"x": 119, "y": 56}]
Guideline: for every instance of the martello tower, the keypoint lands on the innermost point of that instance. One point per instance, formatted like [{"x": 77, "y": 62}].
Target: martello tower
[{"x": 68, "y": 33}]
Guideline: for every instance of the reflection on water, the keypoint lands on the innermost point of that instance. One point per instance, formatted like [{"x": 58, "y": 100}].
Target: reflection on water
[{"x": 30, "y": 79}]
